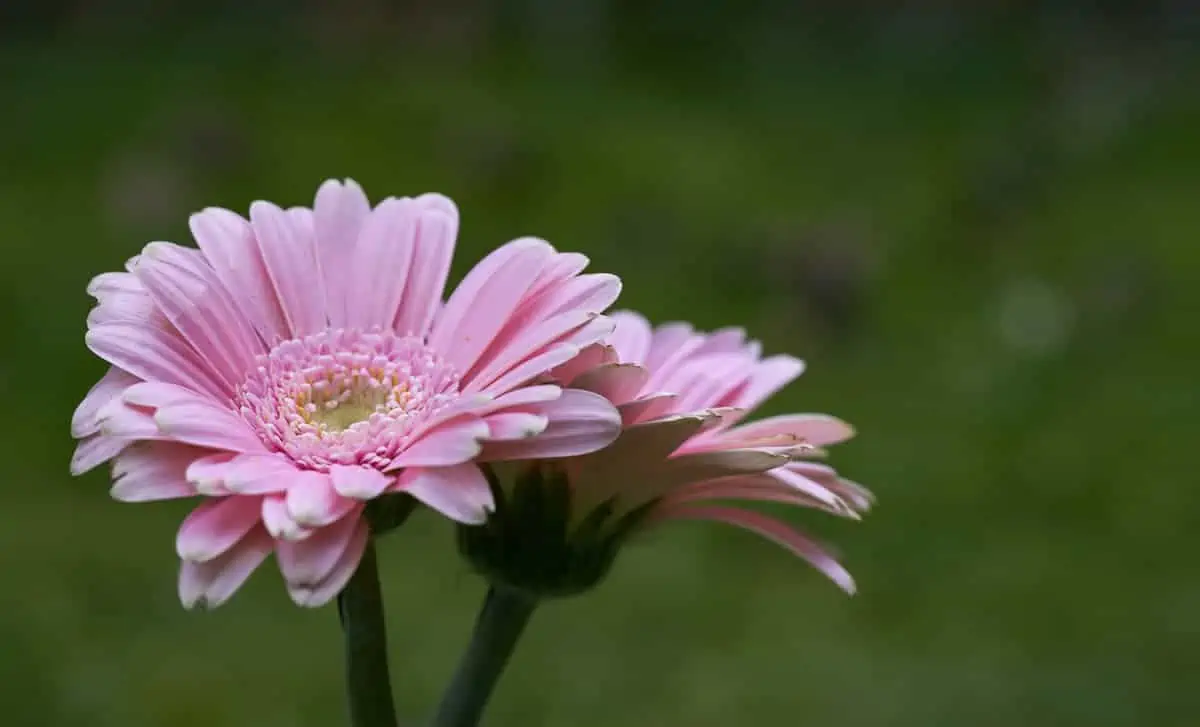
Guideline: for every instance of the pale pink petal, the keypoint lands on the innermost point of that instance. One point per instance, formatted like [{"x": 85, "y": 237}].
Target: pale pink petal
[
  {"x": 648, "y": 408},
  {"x": 228, "y": 243},
  {"x": 556, "y": 355},
  {"x": 154, "y": 355},
  {"x": 809, "y": 487},
  {"x": 704, "y": 382},
  {"x": 433, "y": 247},
  {"x": 148, "y": 471},
  {"x": 460, "y": 492},
  {"x": 194, "y": 419},
  {"x": 503, "y": 356},
  {"x": 631, "y": 338},
  {"x": 723, "y": 340},
  {"x": 325, "y": 591},
  {"x": 562, "y": 267},
  {"x": 816, "y": 429},
  {"x": 671, "y": 342},
  {"x": 588, "y": 293},
  {"x": 580, "y": 422},
  {"x": 339, "y": 211},
  {"x": 121, "y": 297},
  {"x": 94, "y": 450},
  {"x": 452, "y": 443},
  {"x": 360, "y": 483},
  {"x": 758, "y": 488},
  {"x": 722, "y": 463},
  {"x": 483, "y": 302},
  {"x": 771, "y": 529},
  {"x": 123, "y": 421},
  {"x": 619, "y": 383},
  {"x": 209, "y": 584},
  {"x": 523, "y": 396},
  {"x": 515, "y": 425},
  {"x": 85, "y": 420},
  {"x": 259, "y": 474},
  {"x": 206, "y": 475},
  {"x": 279, "y": 522},
  {"x": 312, "y": 501},
  {"x": 188, "y": 293},
  {"x": 215, "y": 526},
  {"x": 305, "y": 563},
  {"x": 381, "y": 263},
  {"x": 590, "y": 357},
  {"x": 289, "y": 253},
  {"x": 769, "y": 376}
]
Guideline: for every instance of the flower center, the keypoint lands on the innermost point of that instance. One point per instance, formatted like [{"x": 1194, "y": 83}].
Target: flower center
[{"x": 344, "y": 396}]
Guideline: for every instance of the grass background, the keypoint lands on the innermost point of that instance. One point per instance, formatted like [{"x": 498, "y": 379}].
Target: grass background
[{"x": 979, "y": 227}]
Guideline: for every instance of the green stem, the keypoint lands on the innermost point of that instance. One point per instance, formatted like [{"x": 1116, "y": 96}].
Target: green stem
[
  {"x": 497, "y": 629},
  {"x": 368, "y": 684}
]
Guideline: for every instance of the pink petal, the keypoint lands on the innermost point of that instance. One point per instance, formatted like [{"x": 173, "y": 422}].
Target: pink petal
[
  {"x": 153, "y": 355},
  {"x": 755, "y": 488},
  {"x": 816, "y": 429},
  {"x": 325, "y": 591},
  {"x": 619, "y": 383},
  {"x": 206, "y": 475},
  {"x": 587, "y": 293},
  {"x": 259, "y": 474},
  {"x": 723, "y": 340},
  {"x": 148, "y": 471},
  {"x": 433, "y": 248},
  {"x": 648, "y": 408},
  {"x": 483, "y": 302},
  {"x": 670, "y": 344},
  {"x": 290, "y": 256},
  {"x": 722, "y": 463},
  {"x": 771, "y": 529},
  {"x": 228, "y": 243},
  {"x": 460, "y": 492},
  {"x": 505, "y": 355},
  {"x": 85, "y": 420},
  {"x": 360, "y": 483},
  {"x": 515, "y": 425},
  {"x": 121, "y": 297},
  {"x": 312, "y": 501},
  {"x": 524, "y": 396},
  {"x": 122, "y": 421},
  {"x": 450, "y": 444},
  {"x": 704, "y": 382},
  {"x": 580, "y": 422},
  {"x": 209, "y": 584},
  {"x": 279, "y": 521},
  {"x": 632, "y": 336},
  {"x": 339, "y": 211},
  {"x": 94, "y": 450},
  {"x": 195, "y": 419},
  {"x": 589, "y": 358},
  {"x": 557, "y": 355},
  {"x": 811, "y": 488},
  {"x": 770, "y": 375},
  {"x": 188, "y": 293},
  {"x": 215, "y": 526},
  {"x": 307, "y": 562},
  {"x": 381, "y": 263}
]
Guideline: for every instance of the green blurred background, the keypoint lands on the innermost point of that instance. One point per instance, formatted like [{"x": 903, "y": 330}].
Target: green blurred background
[{"x": 978, "y": 223}]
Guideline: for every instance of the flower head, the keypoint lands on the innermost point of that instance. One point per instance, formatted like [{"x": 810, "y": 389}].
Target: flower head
[
  {"x": 302, "y": 363},
  {"x": 683, "y": 454}
]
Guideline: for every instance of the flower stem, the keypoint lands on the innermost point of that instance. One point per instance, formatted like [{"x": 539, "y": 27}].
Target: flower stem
[
  {"x": 497, "y": 629},
  {"x": 368, "y": 684}
]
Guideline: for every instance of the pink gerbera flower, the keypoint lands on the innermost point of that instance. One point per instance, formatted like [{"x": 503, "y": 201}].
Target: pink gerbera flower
[
  {"x": 302, "y": 363},
  {"x": 683, "y": 452}
]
